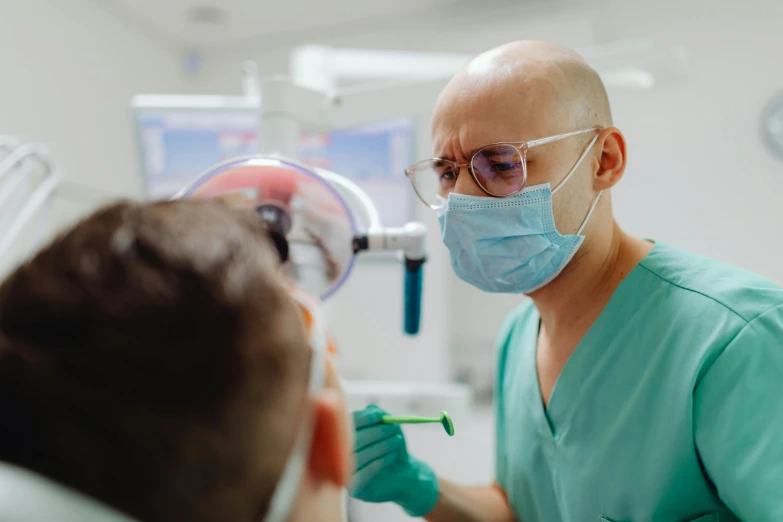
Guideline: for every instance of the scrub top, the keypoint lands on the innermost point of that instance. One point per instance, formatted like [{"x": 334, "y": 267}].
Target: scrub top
[{"x": 669, "y": 410}]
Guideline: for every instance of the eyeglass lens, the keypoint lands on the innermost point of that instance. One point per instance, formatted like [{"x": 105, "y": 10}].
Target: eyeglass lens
[{"x": 500, "y": 170}]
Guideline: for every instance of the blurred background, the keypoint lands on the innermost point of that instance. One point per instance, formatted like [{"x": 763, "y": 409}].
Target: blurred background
[{"x": 696, "y": 86}]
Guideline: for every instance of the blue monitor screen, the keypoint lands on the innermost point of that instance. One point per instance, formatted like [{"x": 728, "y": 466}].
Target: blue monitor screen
[{"x": 179, "y": 144}]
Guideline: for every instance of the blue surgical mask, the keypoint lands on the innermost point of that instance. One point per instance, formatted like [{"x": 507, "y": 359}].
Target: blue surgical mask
[{"x": 509, "y": 245}]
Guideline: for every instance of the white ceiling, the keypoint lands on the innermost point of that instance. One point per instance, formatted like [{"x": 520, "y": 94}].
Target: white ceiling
[{"x": 247, "y": 20}]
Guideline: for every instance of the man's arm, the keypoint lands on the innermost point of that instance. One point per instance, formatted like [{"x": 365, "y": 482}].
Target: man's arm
[
  {"x": 477, "y": 504},
  {"x": 738, "y": 421}
]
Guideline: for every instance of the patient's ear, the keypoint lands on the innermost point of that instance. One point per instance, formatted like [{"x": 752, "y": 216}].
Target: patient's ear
[{"x": 331, "y": 455}]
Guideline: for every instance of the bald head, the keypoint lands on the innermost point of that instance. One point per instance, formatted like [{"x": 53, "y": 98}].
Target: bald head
[
  {"x": 525, "y": 91},
  {"x": 549, "y": 88}
]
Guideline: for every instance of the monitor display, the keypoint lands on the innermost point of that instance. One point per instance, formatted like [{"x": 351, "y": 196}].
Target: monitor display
[{"x": 177, "y": 144}]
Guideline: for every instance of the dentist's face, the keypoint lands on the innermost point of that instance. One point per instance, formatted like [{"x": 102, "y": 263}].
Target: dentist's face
[{"x": 503, "y": 96}]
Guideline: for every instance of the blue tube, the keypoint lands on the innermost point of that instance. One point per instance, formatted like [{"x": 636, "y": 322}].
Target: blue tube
[{"x": 413, "y": 287}]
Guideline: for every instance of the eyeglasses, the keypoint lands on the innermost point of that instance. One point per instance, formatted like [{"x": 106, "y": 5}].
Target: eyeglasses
[{"x": 499, "y": 169}]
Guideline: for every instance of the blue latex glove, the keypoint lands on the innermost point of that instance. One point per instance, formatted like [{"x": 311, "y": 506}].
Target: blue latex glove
[{"x": 385, "y": 472}]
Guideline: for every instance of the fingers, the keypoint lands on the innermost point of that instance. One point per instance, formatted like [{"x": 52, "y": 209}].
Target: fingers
[
  {"x": 374, "y": 434},
  {"x": 377, "y": 447},
  {"x": 366, "y": 475},
  {"x": 389, "y": 446}
]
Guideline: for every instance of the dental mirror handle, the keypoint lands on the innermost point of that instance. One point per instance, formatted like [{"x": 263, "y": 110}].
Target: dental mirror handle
[{"x": 396, "y": 419}]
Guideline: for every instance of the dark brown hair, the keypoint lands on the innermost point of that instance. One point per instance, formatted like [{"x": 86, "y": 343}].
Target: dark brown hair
[{"x": 150, "y": 359}]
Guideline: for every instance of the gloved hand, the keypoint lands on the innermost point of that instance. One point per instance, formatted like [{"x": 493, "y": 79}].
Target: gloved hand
[{"x": 385, "y": 472}]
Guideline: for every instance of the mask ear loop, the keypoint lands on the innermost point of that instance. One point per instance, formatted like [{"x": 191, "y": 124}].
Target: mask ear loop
[
  {"x": 560, "y": 185},
  {"x": 288, "y": 484},
  {"x": 590, "y": 213},
  {"x": 581, "y": 158}
]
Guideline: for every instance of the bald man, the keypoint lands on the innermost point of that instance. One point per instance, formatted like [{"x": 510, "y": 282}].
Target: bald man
[{"x": 639, "y": 382}]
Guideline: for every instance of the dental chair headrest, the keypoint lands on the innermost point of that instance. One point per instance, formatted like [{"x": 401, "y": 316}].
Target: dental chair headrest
[{"x": 28, "y": 497}]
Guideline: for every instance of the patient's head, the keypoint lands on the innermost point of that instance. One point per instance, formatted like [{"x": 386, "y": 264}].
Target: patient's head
[{"x": 150, "y": 358}]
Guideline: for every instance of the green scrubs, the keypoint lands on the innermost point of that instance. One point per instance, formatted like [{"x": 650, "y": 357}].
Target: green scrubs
[{"x": 669, "y": 410}]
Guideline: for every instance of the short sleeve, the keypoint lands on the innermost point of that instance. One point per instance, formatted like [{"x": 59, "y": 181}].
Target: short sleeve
[{"x": 738, "y": 421}]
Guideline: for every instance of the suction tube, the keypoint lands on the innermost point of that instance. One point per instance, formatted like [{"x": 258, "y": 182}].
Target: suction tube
[
  {"x": 410, "y": 241},
  {"x": 414, "y": 269}
]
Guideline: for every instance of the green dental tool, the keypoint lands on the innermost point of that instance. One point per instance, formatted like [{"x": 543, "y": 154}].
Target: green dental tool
[{"x": 444, "y": 420}]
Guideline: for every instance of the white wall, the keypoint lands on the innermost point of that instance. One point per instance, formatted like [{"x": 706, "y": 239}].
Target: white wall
[
  {"x": 699, "y": 176},
  {"x": 68, "y": 73},
  {"x": 471, "y": 29}
]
